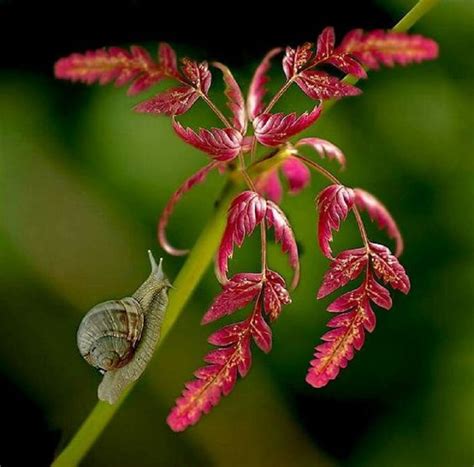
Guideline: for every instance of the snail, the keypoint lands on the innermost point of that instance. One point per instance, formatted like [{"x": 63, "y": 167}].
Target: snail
[{"x": 118, "y": 336}]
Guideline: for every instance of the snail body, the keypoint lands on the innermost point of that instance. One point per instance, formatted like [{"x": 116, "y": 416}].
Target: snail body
[{"x": 118, "y": 337}]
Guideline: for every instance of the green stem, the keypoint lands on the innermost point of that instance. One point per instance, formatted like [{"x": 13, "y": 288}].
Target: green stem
[
  {"x": 183, "y": 286},
  {"x": 185, "y": 283}
]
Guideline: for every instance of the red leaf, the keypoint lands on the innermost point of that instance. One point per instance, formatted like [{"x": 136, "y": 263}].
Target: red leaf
[
  {"x": 245, "y": 213},
  {"x": 229, "y": 334},
  {"x": 198, "y": 74},
  {"x": 221, "y": 144},
  {"x": 379, "y": 214},
  {"x": 114, "y": 64},
  {"x": 167, "y": 57},
  {"x": 334, "y": 203},
  {"x": 213, "y": 382},
  {"x": 297, "y": 174},
  {"x": 196, "y": 178},
  {"x": 218, "y": 378},
  {"x": 348, "y": 333},
  {"x": 260, "y": 330},
  {"x": 276, "y": 218},
  {"x": 275, "y": 129},
  {"x": 325, "y": 53},
  {"x": 235, "y": 99},
  {"x": 257, "y": 89},
  {"x": 347, "y": 64},
  {"x": 346, "y": 267},
  {"x": 319, "y": 85},
  {"x": 237, "y": 293},
  {"x": 325, "y": 44},
  {"x": 387, "y": 267},
  {"x": 275, "y": 294},
  {"x": 324, "y": 148},
  {"x": 379, "y": 47},
  {"x": 296, "y": 59},
  {"x": 173, "y": 101}
]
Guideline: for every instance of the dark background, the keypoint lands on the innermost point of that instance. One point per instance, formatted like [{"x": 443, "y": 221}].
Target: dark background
[{"x": 82, "y": 180}]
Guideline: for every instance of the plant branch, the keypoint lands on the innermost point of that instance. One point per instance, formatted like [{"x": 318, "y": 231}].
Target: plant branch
[{"x": 190, "y": 275}]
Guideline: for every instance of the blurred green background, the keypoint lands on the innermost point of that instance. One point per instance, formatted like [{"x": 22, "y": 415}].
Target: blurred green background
[{"x": 82, "y": 182}]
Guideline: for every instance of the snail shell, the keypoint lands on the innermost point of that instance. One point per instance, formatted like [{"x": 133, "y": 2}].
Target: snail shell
[{"x": 119, "y": 336}]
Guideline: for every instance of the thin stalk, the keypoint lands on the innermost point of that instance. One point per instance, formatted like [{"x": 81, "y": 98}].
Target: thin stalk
[
  {"x": 214, "y": 108},
  {"x": 189, "y": 277},
  {"x": 186, "y": 281}
]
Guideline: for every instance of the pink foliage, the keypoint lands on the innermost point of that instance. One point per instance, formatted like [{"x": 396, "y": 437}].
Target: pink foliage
[
  {"x": 245, "y": 213},
  {"x": 356, "y": 314},
  {"x": 235, "y": 99},
  {"x": 334, "y": 203},
  {"x": 275, "y": 129},
  {"x": 319, "y": 85},
  {"x": 122, "y": 66},
  {"x": 257, "y": 89},
  {"x": 233, "y": 355},
  {"x": 222, "y": 145},
  {"x": 173, "y": 101},
  {"x": 324, "y": 148},
  {"x": 234, "y": 150}
]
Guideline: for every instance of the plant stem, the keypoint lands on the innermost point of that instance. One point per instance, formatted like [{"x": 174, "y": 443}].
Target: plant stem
[
  {"x": 189, "y": 277},
  {"x": 184, "y": 285},
  {"x": 214, "y": 108}
]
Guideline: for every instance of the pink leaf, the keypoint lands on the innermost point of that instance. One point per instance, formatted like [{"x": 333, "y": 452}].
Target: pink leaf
[
  {"x": 114, "y": 64},
  {"x": 167, "y": 57},
  {"x": 173, "y": 101},
  {"x": 237, "y": 293},
  {"x": 296, "y": 59},
  {"x": 211, "y": 383},
  {"x": 348, "y": 333},
  {"x": 324, "y": 148},
  {"x": 195, "y": 179},
  {"x": 245, "y": 213},
  {"x": 347, "y": 64},
  {"x": 334, "y": 203},
  {"x": 235, "y": 99},
  {"x": 229, "y": 334},
  {"x": 257, "y": 89},
  {"x": 347, "y": 266},
  {"x": 297, "y": 174},
  {"x": 275, "y": 129},
  {"x": 319, "y": 85},
  {"x": 387, "y": 267},
  {"x": 269, "y": 185},
  {"x": 275, "y": 294},
  {"x": 325, "y": 45},
  {"x": 379, "y": 214},
  {"x": 284, "y": 235},
  {"x": 197, "y": 74},
  {"x": 221, "y": 144},
  {"x": 260, "y": 330},
  {"x": 379, "y": 47}
]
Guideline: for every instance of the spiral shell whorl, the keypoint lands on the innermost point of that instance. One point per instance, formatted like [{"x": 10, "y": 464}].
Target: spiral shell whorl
[{"x": 110, "y": 332}]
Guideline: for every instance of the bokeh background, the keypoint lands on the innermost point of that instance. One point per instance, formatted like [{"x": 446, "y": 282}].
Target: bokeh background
[{"x": 83, "y": 179}]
